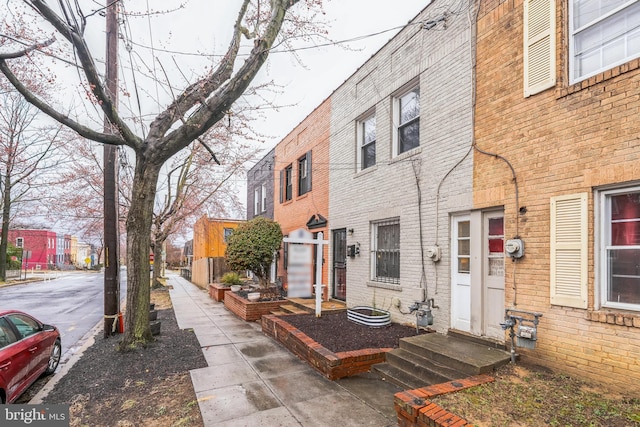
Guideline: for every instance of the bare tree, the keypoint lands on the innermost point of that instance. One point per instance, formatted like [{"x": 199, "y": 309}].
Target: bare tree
[
  {"x": 191, "y": 113},
  {"x": 27, "y": 153}
]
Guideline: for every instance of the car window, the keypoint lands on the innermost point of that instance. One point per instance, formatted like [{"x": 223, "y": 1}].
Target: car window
[
  {"x": 7, "y": 336},
  {"x": 26, "y": 325}
]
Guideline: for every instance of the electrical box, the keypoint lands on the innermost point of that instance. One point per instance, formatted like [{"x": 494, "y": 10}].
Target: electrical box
[
  {"x": 514, "y": 248},
  {"x": 353, "y": 250},
  {"x": 433, "y": 253}
]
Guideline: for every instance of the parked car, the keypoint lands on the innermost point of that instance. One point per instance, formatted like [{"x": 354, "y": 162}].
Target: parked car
[{"x": 28, "y": 350}]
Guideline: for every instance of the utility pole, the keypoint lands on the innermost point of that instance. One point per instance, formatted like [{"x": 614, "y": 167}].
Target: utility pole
[{"x": 111, "y": 223}]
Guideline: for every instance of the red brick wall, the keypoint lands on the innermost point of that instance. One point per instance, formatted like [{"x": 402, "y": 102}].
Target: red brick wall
[
  {"x": 565, "y": 140},
  {"x": 311, "y": 134}
]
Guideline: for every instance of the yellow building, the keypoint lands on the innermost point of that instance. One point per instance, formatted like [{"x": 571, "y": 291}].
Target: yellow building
[{"x": 209, "y": 245}]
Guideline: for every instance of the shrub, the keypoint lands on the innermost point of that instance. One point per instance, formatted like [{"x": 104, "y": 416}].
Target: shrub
[
  {"x": 252, "y": 246},
  {"x": 231, "y": 278}
]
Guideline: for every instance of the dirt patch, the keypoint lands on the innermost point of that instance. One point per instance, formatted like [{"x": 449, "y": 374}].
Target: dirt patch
[
  {"x": 149, "y": 387},
  {"x": 529, "y": 395}
]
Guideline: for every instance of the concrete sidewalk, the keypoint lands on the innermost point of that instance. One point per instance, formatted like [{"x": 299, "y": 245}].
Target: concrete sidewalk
[{"x": 254, "y": 381}]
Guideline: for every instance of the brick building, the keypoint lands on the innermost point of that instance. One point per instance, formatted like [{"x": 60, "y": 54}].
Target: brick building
[
  {"x": 39, "y": 247},
  {"x": 557, "y": 123},
  {"x": 302, "y": 184},
  {"x": 260, "y": 187},
  {"x": 400, "y": 164},
  {"x": 209, "y": 246}
]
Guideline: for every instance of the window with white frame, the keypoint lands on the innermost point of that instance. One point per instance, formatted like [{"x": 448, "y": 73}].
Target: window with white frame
[
  {"x": 604, "y": 33},
  {"x": 256, "y": 201},
  {"x": 227, "y": 233},
  {"x": 264, "y": 197},
  {"x": 621, "y": 248},
  {"x": 20, "y": 242},
  {"x": 407, "y": 121},
  {"x": 385, "y": 251},
  {"x": 366, "y": 135}
]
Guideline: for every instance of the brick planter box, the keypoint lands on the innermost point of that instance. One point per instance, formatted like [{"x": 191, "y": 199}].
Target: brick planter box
[
  {"x": 217, "y": 291},
  {"x": 248, "y": 310},
  {"x": 332, "y": 365}
]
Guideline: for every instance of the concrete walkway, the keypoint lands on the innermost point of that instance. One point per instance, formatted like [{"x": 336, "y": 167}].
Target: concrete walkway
[{"x": 254, "y": 381}]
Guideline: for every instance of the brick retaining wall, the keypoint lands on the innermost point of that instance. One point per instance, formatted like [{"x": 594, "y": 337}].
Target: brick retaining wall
[
  {"x": 332, "y": 365},
  {"x": 248, "y": 310}
]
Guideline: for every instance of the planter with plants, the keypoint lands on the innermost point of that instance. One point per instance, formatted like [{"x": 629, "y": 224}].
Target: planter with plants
[
  {"x": 251, "y": 247},
  {"x": 228, "y": 282}
]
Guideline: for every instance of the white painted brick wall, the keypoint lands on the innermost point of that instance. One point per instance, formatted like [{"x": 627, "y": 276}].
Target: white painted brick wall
[{"x": 441, "y": 59}]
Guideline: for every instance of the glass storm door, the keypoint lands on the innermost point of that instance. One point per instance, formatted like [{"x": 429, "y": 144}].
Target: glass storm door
[
  {"x": 339, "y": 267},
  {"x": 461, "y": 273},
  {"x": 493, "y": 280}
]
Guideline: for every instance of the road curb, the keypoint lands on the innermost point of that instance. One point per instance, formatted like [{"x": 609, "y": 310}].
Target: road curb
[{"x": 87, "y": 341}]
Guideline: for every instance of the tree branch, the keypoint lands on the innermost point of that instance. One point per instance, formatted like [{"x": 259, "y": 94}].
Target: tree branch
[
  {"x": 75, "y": 37},
  {"x": 198, "y": 91},
  {"x": 23, "y": 52},
  {"x": 214, "y": 108},
  {"x": 54, "y": 114}
]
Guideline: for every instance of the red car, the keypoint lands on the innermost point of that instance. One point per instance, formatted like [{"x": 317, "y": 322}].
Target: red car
[{"x": 28, "y": 349}]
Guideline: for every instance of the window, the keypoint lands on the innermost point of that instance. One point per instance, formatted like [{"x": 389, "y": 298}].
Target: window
[
  {"x": 304, "y": 174},
  {"x": 256, "y": 201},
  {"x": 20, "y": 242},
  {"x": 7, "y": 336},
  {"x": 286, "y": 184},
  {"x": 264, "y": 197},
  {"x": 604, "y": 33},
  {"x": 367, "y": 142},
  {"x": 621, "y": 249},
  {"x": 407, "y": 113},
  {"x": 26, "y": 326},
  {"x": 385, "y": 252},
  {"x": 227, "y": 234}
]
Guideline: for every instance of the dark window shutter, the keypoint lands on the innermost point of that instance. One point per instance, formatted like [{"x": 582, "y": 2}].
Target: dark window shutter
[
  {"x": 282, "y": 186},
  {"x": 309, "y": 168}
]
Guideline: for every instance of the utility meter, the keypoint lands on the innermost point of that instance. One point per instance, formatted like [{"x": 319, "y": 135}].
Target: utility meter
[
  {"x": 514, "y": 248},
  {"x": 433, "y": 252}
]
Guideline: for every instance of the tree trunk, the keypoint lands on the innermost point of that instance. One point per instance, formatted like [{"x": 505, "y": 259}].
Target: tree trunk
[
  {"x": 137, "y": 331},
  {"x": 4, "y": 239},
  {"x": 157, "y": 262}
]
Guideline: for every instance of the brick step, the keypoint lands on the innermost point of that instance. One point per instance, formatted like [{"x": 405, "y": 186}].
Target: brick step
[
  {"x": 278, "y": 312},
  {"x": 294, "y": 309}
]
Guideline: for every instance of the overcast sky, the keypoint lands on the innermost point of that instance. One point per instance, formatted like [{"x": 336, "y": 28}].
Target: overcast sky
[
  {"x": 372, "y": 22},
  {"x": 328, "y": 67},
  {"x": 204, "y": 26}
]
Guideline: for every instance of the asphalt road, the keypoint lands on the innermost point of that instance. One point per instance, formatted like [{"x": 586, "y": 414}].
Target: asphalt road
[{"x": 74, "y": 302}]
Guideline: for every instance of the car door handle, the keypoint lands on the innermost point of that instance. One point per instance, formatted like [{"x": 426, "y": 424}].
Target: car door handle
[
  {"x": 33, "y": 349},
  {"x": 5, "y": 365}
]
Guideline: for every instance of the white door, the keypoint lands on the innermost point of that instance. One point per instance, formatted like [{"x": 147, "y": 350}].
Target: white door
[
  {"x": 460, "y": 273},
  {"x": 493, "y": 275}
]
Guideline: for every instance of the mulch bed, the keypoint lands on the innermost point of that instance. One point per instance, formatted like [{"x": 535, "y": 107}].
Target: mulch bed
[
  {"x": 104, "y": 373},
  {"x": 337, "y": 333}
]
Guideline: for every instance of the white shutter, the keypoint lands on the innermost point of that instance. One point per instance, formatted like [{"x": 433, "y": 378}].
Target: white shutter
[
  {"x": 569, "y": 250},
  {"x": 539, "y": 45}
]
